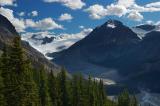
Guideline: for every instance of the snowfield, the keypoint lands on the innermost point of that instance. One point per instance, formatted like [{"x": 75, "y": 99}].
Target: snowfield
[{"x": 59, "y": 42}]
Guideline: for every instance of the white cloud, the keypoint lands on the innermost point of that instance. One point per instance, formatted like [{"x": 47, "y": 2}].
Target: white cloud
[
  {"x": 7, "y": 2},
  {"x": 150, "y": 22},
  {"x": 73, "y": 4},
  {"x": 44, "y": 24},
  {"x": 118, "y": 10},
  {"x": 30, "y": 23},
  {"x": 121, "y": 8},
  {"x": 143, "y": 8},
  {"x": 96, "y": 11},
  {"x": 18, "y": 23},
  {"x": 81, "y": 27},
  {"x": 21, "y": 13},
  {"x": 33, "y": 13},
  {"x": 22, "y": 24},
  {"x": 126, "y": 3},
  {"x": 135, "y": 16},
  {"x": 155, "y": 4},
  {"x": 65, "y": 17}
]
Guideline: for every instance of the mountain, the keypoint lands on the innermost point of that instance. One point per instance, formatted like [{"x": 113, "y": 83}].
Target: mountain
[
  {"x": 46, "y": 42},
  {"x": 116, "y": 52},
  {"x": 8, "y": 32}
]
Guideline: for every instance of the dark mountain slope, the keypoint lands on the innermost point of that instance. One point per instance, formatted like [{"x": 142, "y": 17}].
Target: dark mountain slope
[
  {"x": 104, "y": 43},
  {"x": 114, "y": 51},
  {"x": 8, "y": 32}
]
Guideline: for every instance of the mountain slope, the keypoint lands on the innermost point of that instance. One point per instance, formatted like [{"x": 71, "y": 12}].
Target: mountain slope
[
  {"x": 115, "y": 51},
  {"x": 8, "y": 32}
]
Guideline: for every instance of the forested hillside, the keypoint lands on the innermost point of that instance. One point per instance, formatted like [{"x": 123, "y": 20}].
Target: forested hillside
[{"x": 21, "y": 85}]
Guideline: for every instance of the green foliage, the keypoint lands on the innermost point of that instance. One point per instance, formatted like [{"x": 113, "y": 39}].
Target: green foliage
[
  {"x": 1, "y": 87},
  {"x": 43, "y": 88},
  {"x": 19, "y": 87},
  {"x": 52, "y": 84},
  {"x": 124, "y": 99},
  {"x": 62, "y": 90}
]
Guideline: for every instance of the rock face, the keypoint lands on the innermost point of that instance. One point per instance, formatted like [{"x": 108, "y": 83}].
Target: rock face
[
  {"x": 115, "y": 51},
  {"x": 8, "y": 32}
]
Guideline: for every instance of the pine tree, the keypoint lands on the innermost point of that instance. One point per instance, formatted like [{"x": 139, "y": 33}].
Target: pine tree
[
  {"x": 133, "y": 101},
  {"x": 11, "y": 97},
  {"x": 90, "y": 92},
  {"x": 43, "y": 88},
  {"x": 102, "y": 94},
  {"x": 19, "y": 88},
  {"x": 124, "y": 99},
  {"x": 1, "y": 86},
  {"x": 52, "y": 84},
  {"x": 63, "y": 91},
  {"x": 78, "y": 97}
]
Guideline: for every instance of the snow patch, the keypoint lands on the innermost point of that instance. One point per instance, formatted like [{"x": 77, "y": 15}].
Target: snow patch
[
  {"x": 140, "y": 32},
  {"x": 59, "y": 43},
  {"x": 111, "y": 25},
  {"x": 105, "y": 81}
]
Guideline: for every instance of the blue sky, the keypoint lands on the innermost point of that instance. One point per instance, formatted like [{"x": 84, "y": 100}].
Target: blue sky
[{"x": 44, "y": 15}]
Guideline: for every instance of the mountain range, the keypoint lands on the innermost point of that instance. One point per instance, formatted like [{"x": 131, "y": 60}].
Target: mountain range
[{"x": 117, "y": 52}]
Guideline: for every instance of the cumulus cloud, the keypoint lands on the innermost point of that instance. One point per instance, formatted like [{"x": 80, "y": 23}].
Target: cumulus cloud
[
  {"x": 33, "y": 13},
  {"x": 21, "y": 13},
  {"x": 155, "y": 4},
  {"x": 65, "y": 17},
  {"x": 44, "y": 24},
  {"x": 118, "y": 10},
  {"x": 126, "y": 3},
  {"x": 121, "y": 8},
  {"x": 7, "y": 2},
  {"x": 96, "y": 11},
  {"x": 73, "y": 4},
  {"x": 18, "y": 23},
  {"x": 22, "y": 24},
  {"x": 135, "y": 16}
]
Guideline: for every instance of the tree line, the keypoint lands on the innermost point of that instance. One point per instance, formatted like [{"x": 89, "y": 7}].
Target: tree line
[{"x": 22, "y": 85}]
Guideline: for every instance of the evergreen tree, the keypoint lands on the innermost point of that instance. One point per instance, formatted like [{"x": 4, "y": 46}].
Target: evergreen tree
[
  {"x": 63, "y": 91},
  {"x": 19, "y": 88},
  {"x": 90, "y": 92},
  {"x": 1, "y": 86},
  {"x": 133, "y": 101},
  {"x": 78, "y": 91},
  {"x": 43, "y": 88},
  {"x": 1, "y": 93},
  {"x": 52, "y": 84},
  {"x": 124, "y": 99},
  {"x": 102, "y": 94}
]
